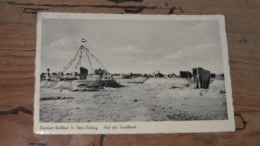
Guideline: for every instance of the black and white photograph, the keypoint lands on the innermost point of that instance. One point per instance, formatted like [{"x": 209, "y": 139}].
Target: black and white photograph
[{"x": 114, "y": 73}]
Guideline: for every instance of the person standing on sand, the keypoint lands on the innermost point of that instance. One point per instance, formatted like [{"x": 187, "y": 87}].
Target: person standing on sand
[{"x": 100, "y": 73}]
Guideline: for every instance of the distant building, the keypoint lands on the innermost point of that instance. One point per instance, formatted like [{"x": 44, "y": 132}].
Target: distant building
[
  {"x": 220, "y": 76},
  {"x": 201, "y": 77},
  {"x": 43, "y": 76},
  {"x": 171, "y": 75},
  {"x": 212, "y": 75},
  {"x": 159, "y": 75},
  {"x": 185, "y": 74}
]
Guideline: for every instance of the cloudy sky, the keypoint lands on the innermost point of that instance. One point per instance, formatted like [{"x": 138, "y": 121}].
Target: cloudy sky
[{"x": 140, "y": 46}]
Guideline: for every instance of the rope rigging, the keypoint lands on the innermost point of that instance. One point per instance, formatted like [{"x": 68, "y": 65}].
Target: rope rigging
[
  {"x": 97, "y": 60},
  {"x": 71, "y": 61},
  {"x": 91, "y": 59},
  {"x": 90, "y": 62},
  {"x": 79, "y": 61}
]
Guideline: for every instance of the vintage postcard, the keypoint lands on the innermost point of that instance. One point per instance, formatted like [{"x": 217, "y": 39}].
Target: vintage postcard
[{"x": 116, "y": 73}]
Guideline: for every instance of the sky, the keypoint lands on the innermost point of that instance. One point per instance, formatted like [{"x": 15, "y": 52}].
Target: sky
[{"x": 138, "y": 46}]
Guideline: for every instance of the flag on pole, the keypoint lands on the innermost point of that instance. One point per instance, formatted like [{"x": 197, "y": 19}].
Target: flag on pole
[{"x": 84, "y": 40}]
